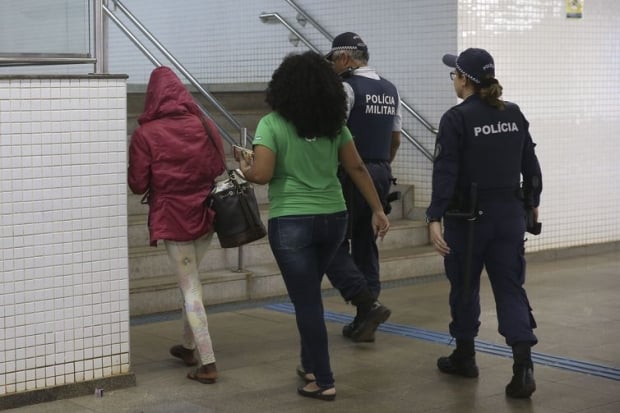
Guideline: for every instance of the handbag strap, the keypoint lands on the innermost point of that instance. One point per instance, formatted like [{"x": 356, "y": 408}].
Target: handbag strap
[
  {"x": 231, "y": 172},
  {"x": 207, "y": 129},
  {"x": 233, "y": 178},
  {"x": 252, "y": 219}
]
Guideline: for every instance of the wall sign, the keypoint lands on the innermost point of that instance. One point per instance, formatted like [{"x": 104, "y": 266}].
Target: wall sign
[{"x": 574, "y": 9}]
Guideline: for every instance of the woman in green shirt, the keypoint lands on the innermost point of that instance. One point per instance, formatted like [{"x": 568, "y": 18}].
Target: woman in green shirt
[{"x": 297, "y": 150}]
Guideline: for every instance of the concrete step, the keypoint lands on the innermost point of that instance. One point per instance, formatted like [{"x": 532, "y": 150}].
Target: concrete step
[
  {"x": 138, "y": 234},
  {"x": 402, "y": 208},
  {"x": 149, "y": 262},
  {"x": 161, "y": 294},
  {"x": 136, "y": 208},
  {"x": 153, "y": 288}
]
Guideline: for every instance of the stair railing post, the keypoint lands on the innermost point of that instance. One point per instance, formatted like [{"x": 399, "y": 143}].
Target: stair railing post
[
  {"x": 244, "y": 140},
  {"x": 100, "y": 45}
]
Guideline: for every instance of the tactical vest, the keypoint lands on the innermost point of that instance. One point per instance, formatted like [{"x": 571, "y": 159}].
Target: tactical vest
[
  {"x": 372, "y": 116},
  {"x": 492, "y": 149}
]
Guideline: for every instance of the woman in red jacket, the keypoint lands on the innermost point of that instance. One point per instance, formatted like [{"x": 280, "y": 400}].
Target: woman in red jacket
[{"x": 175, "y": 155}]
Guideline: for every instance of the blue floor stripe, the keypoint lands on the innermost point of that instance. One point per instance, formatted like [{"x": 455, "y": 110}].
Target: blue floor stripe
[{"x": 481, "y": 346}]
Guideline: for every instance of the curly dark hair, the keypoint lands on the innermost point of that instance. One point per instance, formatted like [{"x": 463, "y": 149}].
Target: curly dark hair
[{"x": 307, "y": 92}]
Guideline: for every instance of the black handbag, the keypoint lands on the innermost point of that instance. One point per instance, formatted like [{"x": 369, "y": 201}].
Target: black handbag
[{"x": 237, "y": 219}]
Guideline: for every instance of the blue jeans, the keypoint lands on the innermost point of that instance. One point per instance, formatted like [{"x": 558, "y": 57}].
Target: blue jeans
[{"x": 303, "y": 246}]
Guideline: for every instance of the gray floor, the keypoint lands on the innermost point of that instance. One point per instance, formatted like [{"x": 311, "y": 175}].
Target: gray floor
[{"x": 575, "y": 302}]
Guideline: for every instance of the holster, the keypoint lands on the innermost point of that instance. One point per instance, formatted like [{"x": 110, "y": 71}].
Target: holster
[{"x": 531, "y": 226}]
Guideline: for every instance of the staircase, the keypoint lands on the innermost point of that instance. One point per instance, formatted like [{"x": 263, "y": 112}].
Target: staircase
[{"x": 404, "y": 253}]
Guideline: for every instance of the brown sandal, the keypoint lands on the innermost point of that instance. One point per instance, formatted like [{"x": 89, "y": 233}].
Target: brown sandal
[{"x": 205, "y": 374}]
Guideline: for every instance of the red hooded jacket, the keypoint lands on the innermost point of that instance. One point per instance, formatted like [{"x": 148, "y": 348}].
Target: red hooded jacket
[{"x": 172, "y": 157}]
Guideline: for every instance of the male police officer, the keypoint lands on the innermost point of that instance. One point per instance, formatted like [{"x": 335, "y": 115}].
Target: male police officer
[
  {"x": 484, "y": 143},
  {"x": 375, "y": 121}
]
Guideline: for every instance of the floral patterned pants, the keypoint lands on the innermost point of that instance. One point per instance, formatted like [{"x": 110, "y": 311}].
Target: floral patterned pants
[{"x": 185, "y": 258}]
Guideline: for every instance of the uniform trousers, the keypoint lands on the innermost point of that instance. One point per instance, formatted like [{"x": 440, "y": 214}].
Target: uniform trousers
[
  {"x": 356, "y": 264},
  {"x": 303, "y": 246},
  {"x": 498, "y": 247}
]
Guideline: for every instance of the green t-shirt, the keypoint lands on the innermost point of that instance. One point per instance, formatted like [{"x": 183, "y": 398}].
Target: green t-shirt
[{"x": 305, "y": 178}]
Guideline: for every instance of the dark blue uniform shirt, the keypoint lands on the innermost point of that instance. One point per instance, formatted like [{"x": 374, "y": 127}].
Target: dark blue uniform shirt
[{"x": 492, "y": 147}]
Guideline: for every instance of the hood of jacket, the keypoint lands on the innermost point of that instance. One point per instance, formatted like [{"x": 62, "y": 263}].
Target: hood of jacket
[{"x": 166, "y": 96}]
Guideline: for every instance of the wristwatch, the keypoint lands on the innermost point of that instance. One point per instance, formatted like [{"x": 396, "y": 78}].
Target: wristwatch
[{"x": 432, "y": 219}]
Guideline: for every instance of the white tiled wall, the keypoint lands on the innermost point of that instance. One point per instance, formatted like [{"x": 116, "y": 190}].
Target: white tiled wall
[
  {"x": 562, "y": 72},
  {"x": 64, "y": 313}
]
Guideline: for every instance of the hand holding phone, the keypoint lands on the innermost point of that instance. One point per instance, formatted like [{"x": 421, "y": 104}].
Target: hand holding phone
[{"x": 240, "y": 151}]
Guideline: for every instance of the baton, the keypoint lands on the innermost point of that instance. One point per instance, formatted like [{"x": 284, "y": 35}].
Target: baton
[{"x": 470, "y": 215}]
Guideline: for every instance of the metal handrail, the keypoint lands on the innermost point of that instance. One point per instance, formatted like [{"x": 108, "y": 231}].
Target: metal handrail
[
  {"x": 174, "y": 61},
  {"x": 100, "y": 42},
  {"x": 420, "y": 119},
  {"x": 131, "y": 37},
  {"x": 417, "y": 144},
  {"x": 266, "y": 17},
  {"x": 311, "y": 20},
  {"x": 269, "y": 16},
  {"x": 156, "y": 62},
  {"x": 25, "y": 59}
]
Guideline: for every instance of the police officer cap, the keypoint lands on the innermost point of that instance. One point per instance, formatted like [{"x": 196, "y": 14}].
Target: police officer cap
[
  {"x": 476, "y": 64},
  {"x": 347, "y": 41}
]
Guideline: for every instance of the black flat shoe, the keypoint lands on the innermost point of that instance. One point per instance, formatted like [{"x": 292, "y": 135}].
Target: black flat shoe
[
  {"x": 184, "y": 354},
  {"x": 307, "y": 377},
  {"x": 317, "y": 394}
]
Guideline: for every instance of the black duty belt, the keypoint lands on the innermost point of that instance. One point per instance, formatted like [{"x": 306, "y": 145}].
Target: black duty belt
[{"x": 502, "y": 194}]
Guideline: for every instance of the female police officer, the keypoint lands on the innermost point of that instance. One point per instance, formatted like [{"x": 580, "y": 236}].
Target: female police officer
[{"x": 483, "y": 148}]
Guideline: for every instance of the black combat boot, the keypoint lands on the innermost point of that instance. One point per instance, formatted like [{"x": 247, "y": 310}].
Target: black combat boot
[
  {"x": 348, "y": 329},
  {"x": 462, "y": 361},
  {"x": 370, "y": 313},
  {"x": 361, "y": 301},
  {"x": 522, "y": 384}
]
